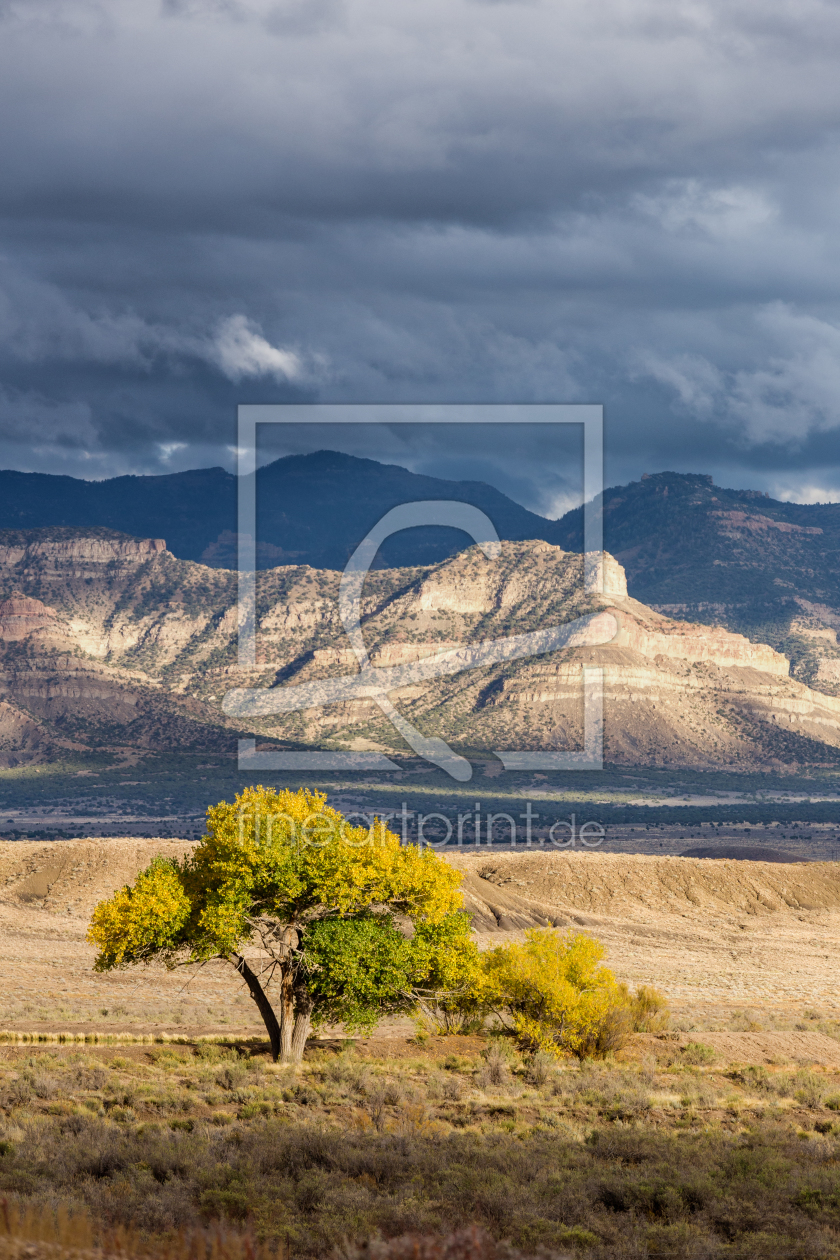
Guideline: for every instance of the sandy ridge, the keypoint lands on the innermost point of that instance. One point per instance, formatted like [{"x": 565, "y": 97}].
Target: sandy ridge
[{"x": 637, "y": 885}]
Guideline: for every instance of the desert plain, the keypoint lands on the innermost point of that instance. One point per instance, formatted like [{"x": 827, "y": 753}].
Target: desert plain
[
  {"x": 744, "y": 951},
  {"x": 141, "y": 1115}
]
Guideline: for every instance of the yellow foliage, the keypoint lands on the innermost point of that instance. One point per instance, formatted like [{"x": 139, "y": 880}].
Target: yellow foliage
[
  {"x": 556, "y": 992},
  {"x": 142, "y": 921},
  {"x": 648, "y": 1009},
  {"x": 325, "y": 899},
  {"x": 283, "y": 855},
  {"x": 289, "y": 852}
]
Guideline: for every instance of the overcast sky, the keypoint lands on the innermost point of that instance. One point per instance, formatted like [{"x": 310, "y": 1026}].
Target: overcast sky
[{"x": 633, "y": 202}]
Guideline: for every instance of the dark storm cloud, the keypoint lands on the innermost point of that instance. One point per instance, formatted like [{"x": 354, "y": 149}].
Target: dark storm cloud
[{"x": 441, "y": 200}]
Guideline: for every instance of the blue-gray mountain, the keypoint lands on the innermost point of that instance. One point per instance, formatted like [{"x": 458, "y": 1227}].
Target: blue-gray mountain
[{"x": 311, "y": 509}]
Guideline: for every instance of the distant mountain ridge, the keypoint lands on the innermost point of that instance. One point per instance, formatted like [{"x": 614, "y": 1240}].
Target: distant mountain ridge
[
  {"x": 734, "y": 558},
  {"x": 682, "y": 538},
  {"x": 693, "y": 550},
  {"x": 311, "y": 509}
]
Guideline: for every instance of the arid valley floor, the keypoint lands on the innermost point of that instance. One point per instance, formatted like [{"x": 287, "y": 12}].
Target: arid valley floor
[
  {"x": 145, "y": 1101},
  {"x": 724, "y": 940}
]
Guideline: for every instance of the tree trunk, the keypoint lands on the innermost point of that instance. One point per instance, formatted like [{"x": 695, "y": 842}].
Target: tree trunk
[
  {"x": 303, "y": 1021},
  {"x": 264, "y": 1006},
  {"x": 286, "y": 1004},
  {"x": 283, "y": 954},
  {"x": 289, "y": 1033}
]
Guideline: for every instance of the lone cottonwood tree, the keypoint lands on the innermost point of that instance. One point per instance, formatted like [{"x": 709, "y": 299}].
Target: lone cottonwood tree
[{"x": 339, "y": 922}]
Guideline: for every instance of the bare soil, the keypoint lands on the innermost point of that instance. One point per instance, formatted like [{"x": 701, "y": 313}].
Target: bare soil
[{"x": 47, "y": 892}]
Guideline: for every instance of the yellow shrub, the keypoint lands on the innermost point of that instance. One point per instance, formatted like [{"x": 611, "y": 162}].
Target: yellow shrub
[
  {"x": 558, "y": 997},
  {"x": 648, "y": 1010}
]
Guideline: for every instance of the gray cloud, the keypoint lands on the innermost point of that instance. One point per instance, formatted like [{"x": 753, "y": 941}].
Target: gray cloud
[{"x": 442, "y": 200}]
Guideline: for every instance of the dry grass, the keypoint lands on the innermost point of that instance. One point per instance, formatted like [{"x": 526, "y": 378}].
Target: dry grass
[
  {"x": 208, "y": 1146},
  {"x": 29, "y": 1233},
  {"x": 15, "y": 1037}
]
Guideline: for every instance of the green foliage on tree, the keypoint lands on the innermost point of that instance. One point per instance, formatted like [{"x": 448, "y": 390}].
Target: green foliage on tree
[{"x": 338, "y": 922}]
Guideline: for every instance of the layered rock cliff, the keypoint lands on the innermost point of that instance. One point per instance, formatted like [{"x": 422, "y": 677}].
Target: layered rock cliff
[
  {"x": 143, "y": 647},
  {"x": 31, "y": 554},
  {"x": 22, "y": 617},
  {"x": 734, "y": 558}
]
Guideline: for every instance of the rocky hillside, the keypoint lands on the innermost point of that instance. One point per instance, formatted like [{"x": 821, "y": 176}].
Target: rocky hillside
[
  {"x": 733, "y": 558},
  {"x": 692, "y": 550},
  {"x": 719, "y": 939},
  {"x": 66, "y": 684},
  {"x": 113, "y": 643},
  {"x": 512, "y": 891}
]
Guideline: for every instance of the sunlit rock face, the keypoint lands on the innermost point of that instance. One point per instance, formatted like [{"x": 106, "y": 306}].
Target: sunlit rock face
[
  {"x": 20, "y": 617},
  {"x": 112, "y": 631}
]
